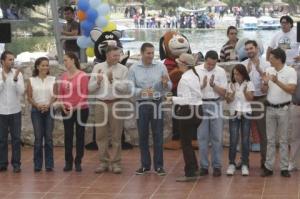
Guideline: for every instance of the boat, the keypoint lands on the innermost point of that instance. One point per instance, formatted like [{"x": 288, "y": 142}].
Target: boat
[
  {"x": 268, "y": 23},
  {"x": 249, "y": 23},
  {"x": 124, "y": 37}
]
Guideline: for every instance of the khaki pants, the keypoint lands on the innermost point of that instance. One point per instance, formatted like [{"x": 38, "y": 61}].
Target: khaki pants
[{"x": 112, "y": 128}]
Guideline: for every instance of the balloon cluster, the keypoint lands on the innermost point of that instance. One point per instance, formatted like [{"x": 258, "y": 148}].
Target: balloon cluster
[{"x": 92, "y": 13}]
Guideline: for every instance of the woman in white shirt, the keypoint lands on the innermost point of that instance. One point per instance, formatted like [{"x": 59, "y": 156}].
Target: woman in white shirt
[
  {"x": 188, "y": 113},
  {"x": 238, "y": 96},
  {"x": 41, "y": 96}
]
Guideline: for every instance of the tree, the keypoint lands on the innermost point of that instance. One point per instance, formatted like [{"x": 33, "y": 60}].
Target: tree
[{"x": 23, "y": 3}]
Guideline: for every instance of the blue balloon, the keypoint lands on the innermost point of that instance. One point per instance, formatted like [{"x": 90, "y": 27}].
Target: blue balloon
[
  {"x": 103, "y": 9},
  {"x": 91, "y": 15},
  {"x": 101, "y": 21},
  {"x": 83, "y": 5},
  {"x": 86, "y": 26},
  {"x": 95, "y": 3},
  {"x": 84, "y": 42}
]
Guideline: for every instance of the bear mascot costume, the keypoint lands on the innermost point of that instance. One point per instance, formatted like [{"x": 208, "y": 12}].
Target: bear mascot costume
[
  {"x": 101, "y": 41},
  {"x": 171, "y": 45}
]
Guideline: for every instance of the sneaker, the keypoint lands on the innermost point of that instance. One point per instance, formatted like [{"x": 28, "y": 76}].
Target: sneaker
[
  {"x": 292, "y": 167},
  {"x": 117, "y": 169},
  {"x": 285, "y": 173},
  {"x": 161, "y": 172},
  {"x": 186, "y": 179},
  {"x": 266, "y": 172},
  {"x": 142, "y": 171},
  {"x": 101, "y": 169},
  {"x": 203, "y": 172},
  {"x": 217, "y": 172},
  {"x": 231, "y": 169},
  {"x": 245, "y": 170}
]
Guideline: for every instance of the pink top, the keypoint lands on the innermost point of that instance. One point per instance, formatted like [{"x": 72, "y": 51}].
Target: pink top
[{"x": 74, "y": 91}]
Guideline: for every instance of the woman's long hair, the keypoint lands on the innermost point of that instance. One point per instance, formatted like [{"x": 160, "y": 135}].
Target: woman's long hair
[
  {"x": 37, "y": 62},
  {"x": 242, "y": 70},
  {"x": 75, "y": 58}
]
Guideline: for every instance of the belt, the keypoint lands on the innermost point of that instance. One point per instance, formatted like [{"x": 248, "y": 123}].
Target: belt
[
  {"x": 278, "y": 105},
  {"x": 259, "y": 97},
  {"x": 109, "y": 101},
  {"x": 211, "y": 99}
]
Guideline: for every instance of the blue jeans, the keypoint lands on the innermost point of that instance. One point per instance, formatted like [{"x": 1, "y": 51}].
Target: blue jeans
[
  {"x": 211, "y": 130},
  {"x": 234, "y": 130},
  {"x": 10, "y": 123},
  {"x": 43, "y": 125},
  {"x": 150, "y": 114}
]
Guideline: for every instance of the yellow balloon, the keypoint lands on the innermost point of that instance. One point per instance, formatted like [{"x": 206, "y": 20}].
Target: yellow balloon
[
  {"x": 110, "y": 27},
  {"x": 90, "y": 52}
]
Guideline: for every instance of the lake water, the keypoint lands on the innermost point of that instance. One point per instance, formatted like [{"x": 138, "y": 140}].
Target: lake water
[{"x": 201, "y": 40}]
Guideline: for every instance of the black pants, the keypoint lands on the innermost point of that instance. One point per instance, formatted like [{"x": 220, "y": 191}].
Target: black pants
[
  {"x": 78, "y": 118},
  {"x": 187, "y": 130}
]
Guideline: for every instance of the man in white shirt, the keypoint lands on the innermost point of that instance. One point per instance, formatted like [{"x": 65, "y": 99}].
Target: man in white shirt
[
  {"x": 107, "y": 85},
  {"x": 286, "y": 40},
  {"x": 279, "y": 84},
  {"x": 11, "y": 91},
  {"x": 211, "y": 129},
  {"x": 256, "y": 67}
]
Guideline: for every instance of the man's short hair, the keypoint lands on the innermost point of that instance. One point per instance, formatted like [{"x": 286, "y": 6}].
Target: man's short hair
[
  {"x": 146, "y": 45},
  {"x": 253, "y": 42},
  {"x": 288, "y": 19},
  {"x": 212, "y": 55},
  {"x": 231, "y": 28},
  {"x": 69, "y": 8},
  {"x": 5, "y": 53},
  {"x": 278, "y": 53},
  {"x": 111, "y": 48}
]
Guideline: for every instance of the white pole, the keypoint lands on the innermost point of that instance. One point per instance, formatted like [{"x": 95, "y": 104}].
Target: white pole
[{"x": 57, "y": 33}]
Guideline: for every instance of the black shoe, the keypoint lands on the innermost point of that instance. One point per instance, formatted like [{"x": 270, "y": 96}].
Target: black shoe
[
  {"x": 78, "y": 168},
  {"x": 49, "y": 169},
  {"x": 266, "y": 172},
  {"x": 217, "y": 172},
  {"x": 37, "y": 170},
  {"x": 142, "y": 171},
  {"x": 262, "y": 166},
  {"x": 3, "y": 169},
  {"x": 17, "y": 170},
  {"x": 126, "y": 146},
  {"x": 68, "y": 168},
  {"x": 285, "y": 173},
  {"x": 203, "y": 172},
  {"x": 161, "y": 172}
]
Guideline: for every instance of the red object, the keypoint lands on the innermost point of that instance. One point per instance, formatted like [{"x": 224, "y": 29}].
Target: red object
[{"x": 174, "y": 73}]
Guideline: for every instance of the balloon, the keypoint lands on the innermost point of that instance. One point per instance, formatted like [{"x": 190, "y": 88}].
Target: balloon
[
  {"x": 103, "y": 9},
  {"x": 81, "y": 15},
  {"x": 90, "y": 52},
  {"x": 86, "y": 26},
  {"x": 110, "y": 27},
  {"x": 101, "y": 21},
  {"x": 83, "y": 5},
  {"x": 95, "y": 3},
  {"x": 84, "y": 42},
  {"x": 91, "y": 15}
]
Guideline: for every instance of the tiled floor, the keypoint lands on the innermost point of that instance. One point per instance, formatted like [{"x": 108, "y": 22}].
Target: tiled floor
[{"x": 86, "y": 184}]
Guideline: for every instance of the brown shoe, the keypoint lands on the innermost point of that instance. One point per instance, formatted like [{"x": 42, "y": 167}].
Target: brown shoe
[{"x": 172, "y": 145}]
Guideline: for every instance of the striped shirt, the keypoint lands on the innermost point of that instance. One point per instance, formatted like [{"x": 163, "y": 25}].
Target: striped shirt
[
  {"x": 228, "y": 53},
  {"x": 144, "y": 77}
]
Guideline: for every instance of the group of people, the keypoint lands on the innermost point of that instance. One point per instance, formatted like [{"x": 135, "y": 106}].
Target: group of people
[{"x": 259, "y": 90}]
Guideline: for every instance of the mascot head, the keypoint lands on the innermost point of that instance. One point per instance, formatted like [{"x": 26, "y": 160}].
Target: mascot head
[
  {"x": 173, "y": 44},
  {"x": 104, "y": 39}
]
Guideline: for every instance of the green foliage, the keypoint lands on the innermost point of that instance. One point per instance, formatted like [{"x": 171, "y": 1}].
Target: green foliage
[{"x": 24, "y": 3}]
